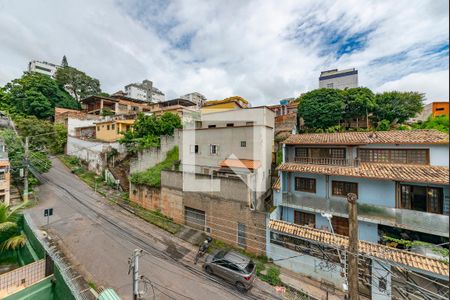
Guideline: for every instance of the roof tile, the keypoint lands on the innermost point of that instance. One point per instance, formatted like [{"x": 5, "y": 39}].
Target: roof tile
[
  {"x": 377, "y": 137},
  {"x": 376, "y": 250},
  {"x": 399, "y": 172}
]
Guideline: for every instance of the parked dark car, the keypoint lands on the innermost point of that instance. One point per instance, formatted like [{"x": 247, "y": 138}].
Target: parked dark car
[{"x": 232, "y": 266}]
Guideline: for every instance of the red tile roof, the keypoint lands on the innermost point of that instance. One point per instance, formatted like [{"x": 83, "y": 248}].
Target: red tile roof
[
  {"x": 398, "y": 172},
  {"x": 371, "y": 249},
  {"x": 276, "y": 185},
  {"x": 241, "y": 163},
  {"x": 363, "y": 138}
]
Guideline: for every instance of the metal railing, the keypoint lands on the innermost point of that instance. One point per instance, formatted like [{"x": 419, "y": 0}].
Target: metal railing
[{"x": 327, "y": 161}]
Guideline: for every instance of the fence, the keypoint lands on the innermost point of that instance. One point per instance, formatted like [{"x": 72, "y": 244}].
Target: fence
[{"x": 22, "y": 277}]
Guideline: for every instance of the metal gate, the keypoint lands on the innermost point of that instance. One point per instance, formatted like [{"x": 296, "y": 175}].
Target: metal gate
[{"x": 194, "y": 218}]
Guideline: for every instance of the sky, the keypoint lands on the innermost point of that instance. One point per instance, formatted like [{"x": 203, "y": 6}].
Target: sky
[{"x": 262, "y": 50}]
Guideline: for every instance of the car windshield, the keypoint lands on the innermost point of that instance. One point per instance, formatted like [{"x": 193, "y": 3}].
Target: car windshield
[
  {"x": 220, "y": 254},
  {"x": 249, "y": 267}
]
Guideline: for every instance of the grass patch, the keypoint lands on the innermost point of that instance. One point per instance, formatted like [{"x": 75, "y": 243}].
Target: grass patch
[
  {"x": 92, "y": 285},
  {"x": 77, "y": 168},
  {"x": 272, "y": 277},
  {"x": 152, "y": 176},
  {"x": 155, "y": 217}
]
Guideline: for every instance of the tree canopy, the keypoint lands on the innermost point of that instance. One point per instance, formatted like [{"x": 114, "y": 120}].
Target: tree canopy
[
  {"x": 359, "y": 102},
  {"x": 77, "y": 82},
  {"x": 35, "y": 94},
  {"x": 397, "y": 107},
  {"x": 321, "y": 108},
  {"x": 146, "y": 131},
  {"x": 328, "y": 109}
]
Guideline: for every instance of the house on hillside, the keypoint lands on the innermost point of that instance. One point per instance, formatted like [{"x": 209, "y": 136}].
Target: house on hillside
[
  {"x": 230, "y": 103},
  {"x": 401, "y": 182},
  {"x": 224, "y": 177}
]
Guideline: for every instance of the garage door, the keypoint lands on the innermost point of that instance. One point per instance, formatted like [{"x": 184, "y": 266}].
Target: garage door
[{"x": 194, "y": 218}]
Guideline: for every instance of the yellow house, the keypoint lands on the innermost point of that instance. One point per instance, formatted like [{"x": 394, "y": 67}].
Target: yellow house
[
  {"x": 111, "y": 131},
  {"x": 231, "y": 103}
]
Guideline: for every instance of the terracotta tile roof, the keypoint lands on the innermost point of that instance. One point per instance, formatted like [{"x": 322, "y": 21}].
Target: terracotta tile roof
[
  {"x": 406, "y": 258},
  {"x": 362, "y": 138},
  {"x": 276, "y": 185},
  {"x": 398, "y": 172},
  {"x": 241, "y": 163}
]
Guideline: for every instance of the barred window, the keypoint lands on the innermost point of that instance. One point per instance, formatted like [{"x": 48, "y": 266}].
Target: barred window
[
  {"x": 343, "y": 188},
  {"x": 305, "y": 184},
  {"x": 400, "y": 156},
  {"x": 301, "y": 152}
]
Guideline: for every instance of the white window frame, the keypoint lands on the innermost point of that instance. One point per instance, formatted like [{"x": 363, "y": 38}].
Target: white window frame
[{"x": 213, "y": 146}]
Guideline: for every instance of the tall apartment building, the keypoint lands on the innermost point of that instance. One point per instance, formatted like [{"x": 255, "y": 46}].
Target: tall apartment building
[
  {"x": 401, "y": 182},
  {"x": 144, "y": 91},
  {"x": 195, "y": 97},
  {"x": 339, "y": 79},
  {"x": 43, "y": 67},
  {"x": 4, "y": 175}
]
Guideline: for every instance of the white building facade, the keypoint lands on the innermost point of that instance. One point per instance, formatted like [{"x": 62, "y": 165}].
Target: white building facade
[
  {"x": 339, "y": 79},
  {"x": 43, "y": 67}
]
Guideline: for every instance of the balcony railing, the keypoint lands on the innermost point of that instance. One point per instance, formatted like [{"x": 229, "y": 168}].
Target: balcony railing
[
  {"x": 404, "y": 218},
  {"x": 327, "y": 161}
]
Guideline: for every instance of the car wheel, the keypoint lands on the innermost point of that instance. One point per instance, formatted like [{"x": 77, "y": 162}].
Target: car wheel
[
  {"x": 208, "y": 270},
  {"x": 240, "y": 286}
]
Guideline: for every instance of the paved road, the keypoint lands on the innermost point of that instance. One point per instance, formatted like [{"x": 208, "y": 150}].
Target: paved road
[{"x": 100, "y": 237}]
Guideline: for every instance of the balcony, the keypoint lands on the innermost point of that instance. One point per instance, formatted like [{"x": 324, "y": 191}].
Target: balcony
[
  {"x": 327, "y": 161},
  {"x": 403, "y": 218}
]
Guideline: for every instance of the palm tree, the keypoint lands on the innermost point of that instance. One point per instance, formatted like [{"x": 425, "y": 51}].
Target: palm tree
[{"x": 10, "y": 236}]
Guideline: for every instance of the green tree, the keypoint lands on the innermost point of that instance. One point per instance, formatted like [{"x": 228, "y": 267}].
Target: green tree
[
  {"x": 321, "y": 108},
  {"x": 440, "y": 123},
  {"x": 10, "y": 236},
  {"x": 64, "y": 62},
  {"x": 397, "y": 107},
  {"x": 146, "y": 131},
  {"x": 35, "y": 94},
  {"x": 77, "y": 82},
  {"x": 359, "y": 102}
]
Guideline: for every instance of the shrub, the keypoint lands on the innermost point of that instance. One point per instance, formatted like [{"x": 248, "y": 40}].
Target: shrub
[{"x": 384, "y": 125}]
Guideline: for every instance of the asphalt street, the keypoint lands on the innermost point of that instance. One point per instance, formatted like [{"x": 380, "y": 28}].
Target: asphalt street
[{"x": 101, "y": 236}]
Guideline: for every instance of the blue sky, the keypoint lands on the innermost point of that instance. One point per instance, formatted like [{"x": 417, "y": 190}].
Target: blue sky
[{"x": 262, "y": 50}]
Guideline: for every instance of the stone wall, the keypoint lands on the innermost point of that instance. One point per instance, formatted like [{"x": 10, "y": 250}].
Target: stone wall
[
  {"x": 93, "y": 153},
  {"x": 146, "y": 196}
]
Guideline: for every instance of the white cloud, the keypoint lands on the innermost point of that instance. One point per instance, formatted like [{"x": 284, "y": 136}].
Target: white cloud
[
  {"x": 263, "y": 50},
  {"x": 433, "y": 84}
]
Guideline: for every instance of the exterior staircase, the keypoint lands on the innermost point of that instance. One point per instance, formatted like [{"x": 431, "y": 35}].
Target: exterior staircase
[
  {"x": 120, "y": 171},
  {"x": 15, "y": 197}
]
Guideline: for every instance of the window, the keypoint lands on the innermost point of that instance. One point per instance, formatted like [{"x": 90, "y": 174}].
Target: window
[
  {"x": 213, "y": 149},
  {"x": 305, "y": 184},
  {"x": 98, "y": 128},
  {"x": 421, "y": 198},
  {"x": 2, "y": 175},
  {"x": 440, "y": 109},
  {"x": 241, "y": 235},
  {"x": 400, "y": 156},
  {"x": 304, "y": 219},
  {"x": 301, "y": 152},
  {"x": 243, "y": 144},
  {"x": 343, "y": 188},
  {"x": 340, "y": 225},
  {"x": 230, "y": 124},
  {"x": 250, "y": 123},
  {"x": 113, "y": 126},
  {"x": 330, "y": 85},
  {"x": 107, "y": 127},
  {"x": 211, "y": 126},
  {"x": 194, "y": 149}
]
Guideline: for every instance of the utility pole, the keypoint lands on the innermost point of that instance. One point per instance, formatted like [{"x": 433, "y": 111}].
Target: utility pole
[
  {"x": 25, "y": 173},
  {"x": 134, "y": 268},
  {"x": 352, "y": 247}
]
